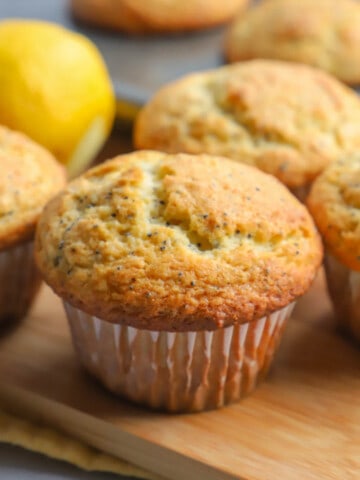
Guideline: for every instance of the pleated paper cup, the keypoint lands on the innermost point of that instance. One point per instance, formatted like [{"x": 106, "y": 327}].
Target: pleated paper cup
[
  {"x": 177, "y": 371},
  {"x": 344, "y": 288},
  {"x": 19, "y": 282}
]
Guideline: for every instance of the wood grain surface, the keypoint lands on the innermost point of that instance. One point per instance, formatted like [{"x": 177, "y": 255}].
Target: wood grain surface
[{"x": 302, "y": 423}]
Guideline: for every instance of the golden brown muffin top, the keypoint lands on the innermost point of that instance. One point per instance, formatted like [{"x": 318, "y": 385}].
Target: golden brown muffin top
[
  {"x": 323, "y": 33},
  {"x": 146, "y": 16},
  {"x": 177, "y": 242},
  {"x": 30, "y": 176},
  {"x": 289, "y": 120},
  {"x": 334, "y": 202}
]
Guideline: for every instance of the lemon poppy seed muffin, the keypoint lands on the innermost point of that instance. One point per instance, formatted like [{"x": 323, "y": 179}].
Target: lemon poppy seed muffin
[
  {"x": 156, "y": 16},
  {"x": 334, "y": 202},
  {"x": 289, "y": 120},
  {"x": 30, "y": 176},
  {"x": 173, "y": 268},
  {"x": 322, "y": 33}
]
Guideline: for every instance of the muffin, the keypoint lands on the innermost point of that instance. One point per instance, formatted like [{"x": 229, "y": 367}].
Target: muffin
[
  {"x": 289, "y": 120},
  {"x": 156, "y": 16},
  {"x": 178, "y": 274},
  {"x": 322, "y": 33},
  {"x": 334, "y": 202},
  {"x": 30, "y": 176}
]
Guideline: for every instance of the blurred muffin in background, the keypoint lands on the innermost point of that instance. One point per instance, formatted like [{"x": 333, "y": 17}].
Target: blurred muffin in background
[
  {"x": 322, "y": 33},
  {"x": 178, "y": 274},
  {"x": 334, "y": 202},
  {"x": 156, "y": 16},
  {"x": 289, "y": 120},
  {"x": 30, "y": 176}
]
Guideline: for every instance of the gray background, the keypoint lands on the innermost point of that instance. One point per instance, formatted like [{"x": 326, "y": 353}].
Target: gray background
[{"x": 18, "y": 464}]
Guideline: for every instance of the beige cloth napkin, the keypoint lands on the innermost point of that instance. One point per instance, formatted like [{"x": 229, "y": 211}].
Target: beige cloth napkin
[{"x": 49, "y": 442}]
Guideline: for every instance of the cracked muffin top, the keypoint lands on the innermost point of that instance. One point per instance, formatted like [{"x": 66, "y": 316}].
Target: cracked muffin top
[
  {"x": 323, "y": 33},
  {"x": 334, "y": 202},
  {"x": 177, "y": 242},
  {"x": 30, "y": 176},
  {"x": 289, "y": 120}
]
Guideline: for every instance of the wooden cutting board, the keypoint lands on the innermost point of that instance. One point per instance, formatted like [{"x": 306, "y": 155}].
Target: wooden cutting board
[{"x": 302, "y": 423}]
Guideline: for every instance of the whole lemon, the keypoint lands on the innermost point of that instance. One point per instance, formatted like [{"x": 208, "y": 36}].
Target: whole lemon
[{"x": 54, "y": 86}]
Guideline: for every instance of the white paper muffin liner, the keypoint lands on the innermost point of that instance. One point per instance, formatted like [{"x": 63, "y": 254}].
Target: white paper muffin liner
[
  {"x": 177, "y": 371},
  {"x": 19, "y": 281},
  {"x": 344, "y": 288}
]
